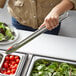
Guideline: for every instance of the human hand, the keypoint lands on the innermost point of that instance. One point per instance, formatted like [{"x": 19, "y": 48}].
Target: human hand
[{"x": 51, "y": 21}]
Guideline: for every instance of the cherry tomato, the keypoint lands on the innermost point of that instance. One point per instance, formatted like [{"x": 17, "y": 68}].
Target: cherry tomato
[
  {"x": 7, "y": 58},
  {"x": 17, "y": 61},
  {"x": 11, "y": 66},
  {"x": 13, "y": 71},
  {"x": 15, "y": 66},
  {"x": 16, "y": 57},
  {"x": 13, "y": 63},
  {"x": 12, "y": 57},
  {"x": 6, "y": 65},
  {"x": 8, "y": 72}
]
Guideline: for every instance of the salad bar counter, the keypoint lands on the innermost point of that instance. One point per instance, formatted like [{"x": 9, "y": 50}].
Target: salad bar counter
[
  {"x": 35, "y": 62},
  {"x": 20, "y": 64}
]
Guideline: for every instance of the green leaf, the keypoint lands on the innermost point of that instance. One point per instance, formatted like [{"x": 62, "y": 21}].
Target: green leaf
[
  {"x": 9, "y": 33},
  {"x": 40, "y": 67},
  {"x": 2, "y": 37}
]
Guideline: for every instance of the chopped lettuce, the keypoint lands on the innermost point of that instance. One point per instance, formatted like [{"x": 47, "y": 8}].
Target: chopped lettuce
[
  {"x": 44, "y": 67},
  {"x": 2, "y": 37},
  {"x": 9, "y": 33},
  {"x": 5, "y": 32}
]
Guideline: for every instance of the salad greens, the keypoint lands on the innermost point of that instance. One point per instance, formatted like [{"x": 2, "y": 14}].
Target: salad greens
[
  {"x": 5, "y": 32},
  {"x": 44, "y": 67}
]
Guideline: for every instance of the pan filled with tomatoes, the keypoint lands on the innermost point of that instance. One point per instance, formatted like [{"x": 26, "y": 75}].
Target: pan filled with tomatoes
[{"x": 12, "y": 65}]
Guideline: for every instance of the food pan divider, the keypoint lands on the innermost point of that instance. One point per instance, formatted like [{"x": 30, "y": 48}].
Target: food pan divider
[
  {"x": 25, "y": 69},
  {"x": 3, "y": 57}
]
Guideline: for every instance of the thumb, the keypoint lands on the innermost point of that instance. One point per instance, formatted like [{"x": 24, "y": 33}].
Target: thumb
[{"x": 42, "y": 25}]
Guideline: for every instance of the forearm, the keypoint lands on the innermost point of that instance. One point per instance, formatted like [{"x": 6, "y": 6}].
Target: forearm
[
  {"x": 62, "y": 7},
  {"x": 52, "y": 19},
  {"x": 2, "y": 3}
]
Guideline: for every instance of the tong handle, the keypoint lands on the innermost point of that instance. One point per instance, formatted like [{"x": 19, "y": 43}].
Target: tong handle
[{"x": 32, "y": 36}]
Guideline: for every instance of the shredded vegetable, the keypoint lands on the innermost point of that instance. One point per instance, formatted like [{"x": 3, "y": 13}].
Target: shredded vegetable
[{"x": 50, "y": 68}]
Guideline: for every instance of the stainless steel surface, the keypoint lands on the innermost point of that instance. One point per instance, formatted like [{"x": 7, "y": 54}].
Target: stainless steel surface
[
  {"x": 23, "y": 58},
  {"x": 2, "y": 59},
  {"x": 27, "y": 65},
  {"x": 35, "y": 58},
  {"x": 32, "y": 36},
  {"x": 68, "y": 27},
  {"x": 1, "y": 56}
]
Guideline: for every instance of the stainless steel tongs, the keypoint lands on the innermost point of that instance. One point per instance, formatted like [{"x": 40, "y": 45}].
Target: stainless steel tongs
[{"x": 32, "y": 36}]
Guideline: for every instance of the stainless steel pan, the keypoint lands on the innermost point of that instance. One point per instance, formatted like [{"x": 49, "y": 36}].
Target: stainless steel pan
[
  {"x": 35, "y": 58},
  {"x": 23, "y": 59}
]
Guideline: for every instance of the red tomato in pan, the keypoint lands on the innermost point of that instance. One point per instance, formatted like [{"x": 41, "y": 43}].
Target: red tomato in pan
[
  {"x": 16, "y": 57},
  {"x": 7, "y": 58},
  {"x": 12, "y": 58},
  {"x": 5, "y": 65},
  {"x": 17, "y": 61}
]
